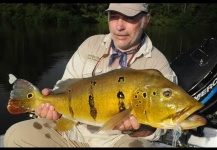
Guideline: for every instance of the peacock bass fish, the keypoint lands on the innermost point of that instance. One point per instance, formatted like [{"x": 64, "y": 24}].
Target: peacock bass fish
[{"x": 106, "y": 100}]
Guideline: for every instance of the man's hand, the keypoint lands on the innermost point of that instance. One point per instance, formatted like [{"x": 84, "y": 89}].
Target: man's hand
[
  {"x": 46, "y": 110},
  {"x": 131, "y": 124},
  {"x": 128, "y": 124}
]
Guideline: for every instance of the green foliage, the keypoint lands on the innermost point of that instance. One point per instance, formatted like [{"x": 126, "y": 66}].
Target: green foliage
[
  {"x": 30, "y": 14},
  {"x": 183, "y": 14},
  {"x": 163, "y": 14}
]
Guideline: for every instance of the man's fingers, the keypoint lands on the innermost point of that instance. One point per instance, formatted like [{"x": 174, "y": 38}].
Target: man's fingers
[
  {"x": 46, "y": 91},
  {"x": 47, "y": 111},
  {"x": 127, "y": 124},
  {"x": 38, "y": 110},
  {"x": 135, "y": 124},
  {"x": 49, "y": 114},
  {"x": 44, "y": 110},
  {"x": 120, "y": 127},
  {"x": 56, "y": 115}
]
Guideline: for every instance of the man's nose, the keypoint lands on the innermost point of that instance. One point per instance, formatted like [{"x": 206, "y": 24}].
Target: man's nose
[{"x": 120, "y": 24}]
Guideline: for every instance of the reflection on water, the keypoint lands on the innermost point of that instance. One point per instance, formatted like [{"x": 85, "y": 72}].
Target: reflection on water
[{"x": 39, "y": 55}]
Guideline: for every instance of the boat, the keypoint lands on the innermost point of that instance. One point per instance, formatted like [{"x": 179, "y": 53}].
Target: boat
[{"x": 196, "y": 70}]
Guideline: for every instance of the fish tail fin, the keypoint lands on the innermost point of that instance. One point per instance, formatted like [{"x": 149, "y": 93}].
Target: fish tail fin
[{"x": 24, "y": 96}]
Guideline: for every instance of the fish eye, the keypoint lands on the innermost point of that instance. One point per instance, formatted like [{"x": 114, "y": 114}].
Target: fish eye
[
  {"x": 29, "y": 95},
  {"x": 167, "y": 93}
]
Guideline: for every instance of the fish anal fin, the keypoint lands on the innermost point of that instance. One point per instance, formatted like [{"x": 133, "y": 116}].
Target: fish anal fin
[
  {"x": 64, "y": 124},
  {"x": 115, "y": 120}
]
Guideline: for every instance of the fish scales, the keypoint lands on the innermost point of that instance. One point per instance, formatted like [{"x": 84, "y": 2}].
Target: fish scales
[
  {"x": 107, "y": 99},
  {"x": 105, "y": 92}
]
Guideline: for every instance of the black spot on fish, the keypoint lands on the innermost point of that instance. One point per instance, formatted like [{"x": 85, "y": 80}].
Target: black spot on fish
[
  {"x": 71, "y": 111},
  {"x": 120, "y": 95},
  {"x": 70, "y": 107},
  {"x": 29, "y": 95},
  {"x": 137, "y": 105},
  {"x": 154, "y": 93},
  {"x": 121, "y": 79},
  {"x": 144, "y": 95},
  {"x": 93, "y": 111},
  {"x": 121, "y": 106},
  {"x": 136, "y": 96},
  {"x": 91, "y": 101},
  {"x": 69, "y": 90},
  {"x": 93, "y": 82},
  {"x": 37, "y": 125}
]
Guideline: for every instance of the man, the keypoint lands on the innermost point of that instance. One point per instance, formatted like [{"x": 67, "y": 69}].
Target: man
[{"x": 127, "y": 45}]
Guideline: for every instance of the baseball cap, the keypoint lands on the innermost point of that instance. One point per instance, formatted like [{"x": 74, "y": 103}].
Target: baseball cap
[{"x": 128, "y": 9}]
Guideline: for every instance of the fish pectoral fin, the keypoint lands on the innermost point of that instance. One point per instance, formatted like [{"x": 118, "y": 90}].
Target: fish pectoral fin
[
  {"x": 115, "y": 120},
  {"x": 64, "y": 124}
]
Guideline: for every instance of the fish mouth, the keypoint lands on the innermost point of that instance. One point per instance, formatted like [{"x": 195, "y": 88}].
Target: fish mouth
[
  {"x": 193, "y": 121},
  {"x": 190, "y": 120}
]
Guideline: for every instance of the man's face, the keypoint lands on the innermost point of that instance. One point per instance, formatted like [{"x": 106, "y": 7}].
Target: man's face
[{"x": 126, "y": 31}]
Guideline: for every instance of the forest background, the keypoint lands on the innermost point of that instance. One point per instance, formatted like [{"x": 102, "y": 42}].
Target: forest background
[{"x": 57, "y": 14}]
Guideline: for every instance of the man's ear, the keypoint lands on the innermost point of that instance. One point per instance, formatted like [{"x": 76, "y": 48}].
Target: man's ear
[{"x": 147, "y": 20}]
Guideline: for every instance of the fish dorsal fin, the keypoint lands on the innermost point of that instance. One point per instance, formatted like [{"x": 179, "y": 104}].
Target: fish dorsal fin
[
  {"x": 62, "y": 86},
  {"x": 153, "y": 72},
  {"x": 12, "y": 78},
  {"x": 64, "y": 124},
  {"x": 115, "y": 120}
]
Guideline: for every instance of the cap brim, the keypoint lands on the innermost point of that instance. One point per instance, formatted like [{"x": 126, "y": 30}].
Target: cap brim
[{"x": 123, "y": 10}]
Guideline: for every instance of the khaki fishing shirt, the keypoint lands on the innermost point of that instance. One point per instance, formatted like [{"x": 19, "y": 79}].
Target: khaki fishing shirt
[{"x": 82, "y": 64}]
